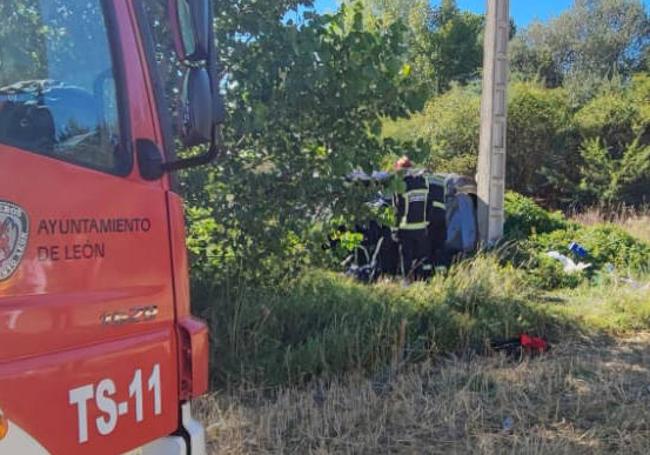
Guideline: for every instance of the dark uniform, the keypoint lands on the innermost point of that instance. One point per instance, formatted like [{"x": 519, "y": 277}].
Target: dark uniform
[
  {"x": 413, "y": 222},
  {"x": 437, "y": 229}
]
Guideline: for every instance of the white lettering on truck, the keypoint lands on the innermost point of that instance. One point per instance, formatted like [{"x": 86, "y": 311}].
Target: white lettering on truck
[
  {"x": 111, "y": 411},
  {"x": 80, "y": 397},
  {"x": 107, "y": 423}
]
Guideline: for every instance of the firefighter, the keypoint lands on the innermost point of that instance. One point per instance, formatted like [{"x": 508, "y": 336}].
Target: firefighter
[
  {"x": 412, "y": 219},
  {"x": 437, "y": 229}
]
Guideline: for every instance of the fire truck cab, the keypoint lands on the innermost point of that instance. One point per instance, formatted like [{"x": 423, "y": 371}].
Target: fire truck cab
[{"x": 99, "y": 352}]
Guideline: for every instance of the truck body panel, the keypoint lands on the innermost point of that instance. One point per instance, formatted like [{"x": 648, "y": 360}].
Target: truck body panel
[{"x": 98, "y": 349}]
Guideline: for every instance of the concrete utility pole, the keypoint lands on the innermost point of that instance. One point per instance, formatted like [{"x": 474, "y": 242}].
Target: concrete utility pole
[{"x": 494, "y": 107}]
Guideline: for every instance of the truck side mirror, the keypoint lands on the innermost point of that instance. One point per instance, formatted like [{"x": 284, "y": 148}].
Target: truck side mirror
[
  {"x": 203, "y": 107},
  {"x": 198, "y": 114},
  {"x": 190, "y": 21}
]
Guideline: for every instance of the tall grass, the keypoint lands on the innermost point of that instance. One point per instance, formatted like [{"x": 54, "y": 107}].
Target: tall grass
[
  {"x": 635, "y": 221},
  {"x": 614, "y": 305},
  {"x": 323, "y": 324}
]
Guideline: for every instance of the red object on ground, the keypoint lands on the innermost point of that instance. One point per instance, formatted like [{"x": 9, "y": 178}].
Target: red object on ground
[{"x": 533, "y": 344}]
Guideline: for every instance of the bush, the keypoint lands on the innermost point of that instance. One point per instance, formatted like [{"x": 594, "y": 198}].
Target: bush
[
  {"x": 612, "y": 117},
  {"x": 539, "y": 138},
  {"x": 452, "y": 129},
  {"x": 546, "y": 273},
  {"x": 607, "y": 246},
  {"x": 564, "y": 153},
  {"x": 537, "y": 231},
  {"x": 540, "y": 135},
  {"x": 524, "y": 218},
  {"x": 615, "y": 154}
]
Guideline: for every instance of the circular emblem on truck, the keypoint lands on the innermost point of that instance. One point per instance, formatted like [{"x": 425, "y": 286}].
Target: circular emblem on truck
[{"x": 14, "y": 232}]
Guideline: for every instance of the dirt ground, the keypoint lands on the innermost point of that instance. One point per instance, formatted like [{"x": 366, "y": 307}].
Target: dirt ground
[{"x": 584, "y": 397}]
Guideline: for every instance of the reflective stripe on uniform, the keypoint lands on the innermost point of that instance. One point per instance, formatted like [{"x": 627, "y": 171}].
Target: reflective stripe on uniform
[
  {"x": 414, "y": 226},
  {"x": 415, "y": 196}
]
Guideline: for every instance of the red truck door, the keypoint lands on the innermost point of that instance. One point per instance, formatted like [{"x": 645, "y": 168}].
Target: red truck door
[{"x": 88, "y": 355}]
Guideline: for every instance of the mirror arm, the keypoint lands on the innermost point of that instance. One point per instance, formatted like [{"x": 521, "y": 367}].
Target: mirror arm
[{"x": 215, "y": 151}]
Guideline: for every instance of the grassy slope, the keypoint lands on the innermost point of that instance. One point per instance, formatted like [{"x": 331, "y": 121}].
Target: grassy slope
[
  {"x": 325, "y": 325},
  {"x": 591, "y": 394}
]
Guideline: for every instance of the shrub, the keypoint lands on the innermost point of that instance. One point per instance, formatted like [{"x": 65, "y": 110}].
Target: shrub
[
  {"x": 539, "y": 135},
  {"x": 612, "y": 117},
  {"x": 606, "y": 244},
  {"x": 615, "y": 154},
  {"x": 524, "y": 217},
  {"x": 541, "y": 138},
  {"x": 546, "y": 273},
  {"x": 452, "y": 129},
  {"x": 537, "y": 231}
]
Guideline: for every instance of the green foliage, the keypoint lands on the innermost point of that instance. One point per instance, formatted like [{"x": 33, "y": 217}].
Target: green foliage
[
  {"x": 615, "y": 153},
  {"x": 595, "y": 37},
  {"x": 456, "y": 44},
  {"x": 305, "y": 104},
  {"x": 525, "y": 218},
  {"x": 539, "y": 135},
  {"x": 610, "y": 116},
  {"x": 541, "y": 153},
  {"x": 349, "y": 240},
  {"x": 444, "y": 43},
  {"x": 532, "y": 59},
  {"x": 639, "y": 95},
  {"x": 598, "y": 171},
  {"x": 405, "y": 129},
  {"x": 562, "y": 154},
  {"x": 452, "y": 128},
  {"x": 607, "y": 245},
  {"x": 535, "y": 231},
  {"x": 546, "y": 273}
]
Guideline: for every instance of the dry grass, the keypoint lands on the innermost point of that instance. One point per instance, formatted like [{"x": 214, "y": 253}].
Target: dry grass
[
  {"x": 583, "y": 397},
  {"x": 635, "y": 222},
  {"x": 639, "y": 227}
]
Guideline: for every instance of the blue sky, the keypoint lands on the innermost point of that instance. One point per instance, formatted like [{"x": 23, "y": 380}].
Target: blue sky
[{"x": 524, "y": 11}]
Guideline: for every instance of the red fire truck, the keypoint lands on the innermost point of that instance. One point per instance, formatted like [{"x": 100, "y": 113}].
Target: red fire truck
[{"x": 99, "y": 353}]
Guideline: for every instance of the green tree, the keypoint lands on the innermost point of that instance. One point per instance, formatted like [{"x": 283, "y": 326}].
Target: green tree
[
  {"x": 456, "y": 44},
  {"x": 444, "y": 43},
  {"x": 305, "y": 105},
  {"x": 595, "y": 39}
]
